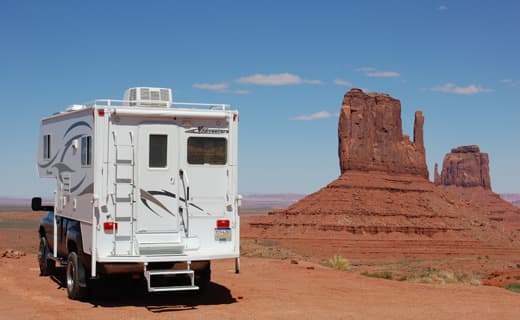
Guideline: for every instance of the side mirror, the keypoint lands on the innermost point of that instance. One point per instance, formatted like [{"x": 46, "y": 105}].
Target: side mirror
[{"x": 36, "y": 204}]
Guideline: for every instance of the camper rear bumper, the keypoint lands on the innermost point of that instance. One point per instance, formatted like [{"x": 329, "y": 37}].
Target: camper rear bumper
[
  {"x": 139, "y": 260},
  {"x": 136, "y": 267}
]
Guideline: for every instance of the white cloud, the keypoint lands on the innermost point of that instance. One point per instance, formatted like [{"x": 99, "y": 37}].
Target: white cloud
[
  {"x": 275, "y": 79},
  {"x": 442, "y": 7},
  {"x": 373, "y": 73},
  {"x": 467, "y": 90},
  {"x": 510, "y": 82},
  {"x": 315, "y": 116},
  {"x": 240, "y": 91},
  {"x": 219, "y": 87},
  {"x": 211, "y": 86},
  {"x": 344, "y": 83}
]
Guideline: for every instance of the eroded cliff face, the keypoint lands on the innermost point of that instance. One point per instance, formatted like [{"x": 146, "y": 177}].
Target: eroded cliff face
[
  {"x": 371, "y": 136},
  {"x": 465, "y": 166},
  {"x": 383, "y": 190}
]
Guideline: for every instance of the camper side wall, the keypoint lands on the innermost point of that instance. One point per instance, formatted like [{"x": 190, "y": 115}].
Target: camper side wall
[{"x": 66, "y": 153}]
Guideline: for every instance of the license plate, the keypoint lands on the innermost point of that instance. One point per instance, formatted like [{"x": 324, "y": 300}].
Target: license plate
[{"x": 223, "y": 234}]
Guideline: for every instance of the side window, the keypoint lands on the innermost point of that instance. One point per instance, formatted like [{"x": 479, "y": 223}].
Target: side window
[
  {"x": 47, "y": 146},
  {"x": 205, "y": 150},
  {"x": 158, "y": 153},
  {"x": 86, "y": 151}
]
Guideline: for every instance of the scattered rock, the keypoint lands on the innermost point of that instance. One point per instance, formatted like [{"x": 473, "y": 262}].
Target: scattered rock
[
  {"x": 13, "y": 254},
  {"x": 294, "y": 262}
]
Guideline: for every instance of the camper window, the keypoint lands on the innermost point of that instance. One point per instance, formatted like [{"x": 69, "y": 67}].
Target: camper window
[
  {"x": 47, "y": 146},
  {"x": 205, "y": 150},
  {"x": 158, "y": 151},
  {"x": 86, "y": 151}
]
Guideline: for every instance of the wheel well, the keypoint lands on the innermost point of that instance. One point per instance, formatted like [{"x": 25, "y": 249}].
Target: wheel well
[{"x": 71, "y": 246}]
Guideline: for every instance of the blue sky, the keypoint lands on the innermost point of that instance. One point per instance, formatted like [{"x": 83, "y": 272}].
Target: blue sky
[{"x": 284, "y": 65}]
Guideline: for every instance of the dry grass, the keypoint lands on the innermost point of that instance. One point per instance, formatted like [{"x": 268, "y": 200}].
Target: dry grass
[{"x": 339, "y": 263}]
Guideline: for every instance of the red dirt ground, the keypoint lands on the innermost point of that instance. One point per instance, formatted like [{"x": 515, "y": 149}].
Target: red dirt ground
[{"x": 266, "y": 289}]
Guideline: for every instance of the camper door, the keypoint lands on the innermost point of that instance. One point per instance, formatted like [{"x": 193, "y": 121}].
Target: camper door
[{"x": 157, "y": 170}]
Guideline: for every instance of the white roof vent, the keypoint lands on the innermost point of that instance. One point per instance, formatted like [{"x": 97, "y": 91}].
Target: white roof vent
[{"x": 149, "y": 97}]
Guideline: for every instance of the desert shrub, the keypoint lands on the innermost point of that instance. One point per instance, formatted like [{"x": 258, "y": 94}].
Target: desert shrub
[
  {"x": 475, "y": 282},
  {"x": 339, "y": 263},
  {"x": 515, "y": 287},
  {"x": 381, "y": 275}
]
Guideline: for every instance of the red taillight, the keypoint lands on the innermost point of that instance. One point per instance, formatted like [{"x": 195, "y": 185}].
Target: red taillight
[
  {"x": 101, "y": 112},
  {"x": 109, "y": 226},
  {"x": 222, "y": 223}
]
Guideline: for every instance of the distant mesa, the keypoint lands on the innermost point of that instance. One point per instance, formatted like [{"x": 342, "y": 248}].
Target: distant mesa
[
  {"x": 465, "y": 166},
  {"x": 383, "y": 190},
  {"x": 465, "y": 173}
]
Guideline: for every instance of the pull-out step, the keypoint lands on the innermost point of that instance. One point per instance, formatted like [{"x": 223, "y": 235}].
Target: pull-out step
[{"x": 169, "y": 272}]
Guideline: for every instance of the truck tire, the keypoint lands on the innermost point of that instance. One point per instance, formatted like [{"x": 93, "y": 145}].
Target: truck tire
[
  {"x": 75, "y": 272},
  {"x": 203, "y": 278},
  {"x": 47, "y": 266}
]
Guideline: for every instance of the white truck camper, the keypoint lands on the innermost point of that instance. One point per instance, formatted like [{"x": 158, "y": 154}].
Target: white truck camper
[{"x": 144, "y": 186}]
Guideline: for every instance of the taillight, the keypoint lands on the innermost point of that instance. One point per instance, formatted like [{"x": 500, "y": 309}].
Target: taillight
[
  {"x": 101, "y": 112},
  {"x": 109, "y": 226},
  {"x": 221, "y": 224}
]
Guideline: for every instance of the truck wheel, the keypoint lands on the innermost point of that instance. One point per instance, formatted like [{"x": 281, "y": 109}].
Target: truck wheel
[
  {"x": 203, "y": 278},
  {"x": 75, "y": 272},
  {"x": 47, "y": 266}
]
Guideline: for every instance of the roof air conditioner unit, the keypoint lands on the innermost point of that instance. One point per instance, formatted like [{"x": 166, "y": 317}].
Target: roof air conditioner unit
[{"x": 148, "y": 97}]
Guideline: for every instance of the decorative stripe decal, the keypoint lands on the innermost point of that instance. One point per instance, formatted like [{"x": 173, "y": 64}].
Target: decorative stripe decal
[
  {"x": 77, "y": 124},
  {"x": 88, "y": 189},
  {"x": 43, "y": 166},
  {"x": 77, "y": 186},
  {"x": 68, "y": 144},
  {"x": 147, "y": 196}
]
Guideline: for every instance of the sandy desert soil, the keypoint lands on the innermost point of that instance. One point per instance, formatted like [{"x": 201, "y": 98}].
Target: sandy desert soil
[{"x": 266, "y": 289}]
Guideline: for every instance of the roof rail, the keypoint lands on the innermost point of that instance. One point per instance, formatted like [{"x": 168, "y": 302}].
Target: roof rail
[{"x": 127, "y": 103}]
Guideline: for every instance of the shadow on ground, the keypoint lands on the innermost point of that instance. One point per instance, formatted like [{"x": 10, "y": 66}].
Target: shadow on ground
[{"x": 122, "y": 291}]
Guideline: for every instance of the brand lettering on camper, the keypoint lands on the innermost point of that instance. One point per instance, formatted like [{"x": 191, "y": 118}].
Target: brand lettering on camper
[{"x": 204, "y": 130}]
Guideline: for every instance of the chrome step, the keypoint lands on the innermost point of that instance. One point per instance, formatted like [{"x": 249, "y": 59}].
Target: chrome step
[
  {"x": 148, "y": 274},
  {"x": 177, "y": 288}
]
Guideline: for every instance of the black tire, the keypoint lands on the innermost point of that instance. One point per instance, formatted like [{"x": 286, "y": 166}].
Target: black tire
[
  {"x": 75, "y": 272},
  {"x": 203, "y": 278},
  {"x": 47, "y": 266}
]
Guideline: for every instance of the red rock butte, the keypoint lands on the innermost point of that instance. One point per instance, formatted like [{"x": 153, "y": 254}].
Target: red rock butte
[
  {"x": 371, "y": 136},
  {"x": 465, "y": 172},
  {"x": 383, "y": 193},
  {"x": 465, "y": 166}
]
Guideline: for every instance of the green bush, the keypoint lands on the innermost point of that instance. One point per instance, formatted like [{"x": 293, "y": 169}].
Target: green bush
[{"x": 515, "y": 287}]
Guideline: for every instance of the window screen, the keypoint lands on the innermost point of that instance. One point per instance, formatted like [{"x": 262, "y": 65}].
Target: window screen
[
  {"x": 86, "y": 151},
  {"x": 47, "y": 146},
  {"x": 158, "y": 151},
  {"x": 204, "y": 150}
]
